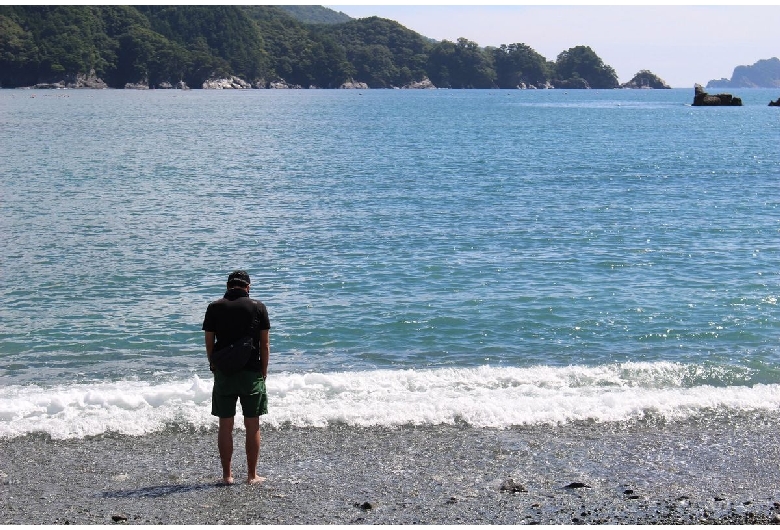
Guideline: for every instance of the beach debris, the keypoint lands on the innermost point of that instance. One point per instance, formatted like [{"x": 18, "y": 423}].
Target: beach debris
[
  {"x": 576, "y": 485},
  {"x": 365, "y": 505},
  {"x": 452, "y": 500},
  {"x": 775, "y": 519},
  {"x": 119, "y": 518},
  {"x": 509, "y": 485}
]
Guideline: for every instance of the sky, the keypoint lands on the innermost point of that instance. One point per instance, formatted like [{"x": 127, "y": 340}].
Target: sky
[{"x": 682, "y": 44}]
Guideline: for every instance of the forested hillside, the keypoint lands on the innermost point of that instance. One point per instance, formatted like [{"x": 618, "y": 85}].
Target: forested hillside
[
  {"x": 159, "y": 46},
  {"x": 316, "y": 14}
]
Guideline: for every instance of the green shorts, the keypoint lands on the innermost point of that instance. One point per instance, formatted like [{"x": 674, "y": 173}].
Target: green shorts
[{"x": 247, "y": 386}]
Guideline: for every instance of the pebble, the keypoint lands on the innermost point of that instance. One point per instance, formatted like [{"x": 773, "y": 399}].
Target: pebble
[
  {"x": 511, "y": 486},
  {"x": 301, "y": 489}
]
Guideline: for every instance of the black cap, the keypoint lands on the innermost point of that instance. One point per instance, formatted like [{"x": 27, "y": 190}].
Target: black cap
[{"x": 238, "y": 277}]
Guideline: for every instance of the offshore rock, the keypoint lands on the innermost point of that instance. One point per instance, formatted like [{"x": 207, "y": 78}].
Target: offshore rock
[
  {"x": 352, "y": 84},
  {"x": 281, "y": 84},
  {"x": 510, "y": 486},
  {"x": 775, "y": 103},
  {"x": 226, "y": 83},
  {"x": 423, "y": 84},
  {"x": 573, "y": 83},
  {"x": 141, "y": 85},
  {"x": 90, "y": 80},
  {"x": 166, "y": 85},
  {"x": 703, "y": 99},
  {"x": 87, "y": 81}
]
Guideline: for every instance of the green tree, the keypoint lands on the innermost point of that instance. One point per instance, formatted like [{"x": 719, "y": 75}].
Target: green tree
[
  {"x": 517, "y": 64},
  {"x": 460, "y": 65},
  {"x": 382, "y": 53},
  {"x": 298, "y": 53},
  {"x": 315, "y": 14},
  {"x": 69, "y": 39},
  {"x": 581, "y": 64},
  {"x": 224, "y": 32},
  {"x": 147, "y": 55},
  {"x": 19, "y": 56}
]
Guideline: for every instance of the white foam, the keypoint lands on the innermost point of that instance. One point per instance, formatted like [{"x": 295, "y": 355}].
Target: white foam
[
  {"x": 483, "y": 397},
  {"x": 128, "y": 407}
]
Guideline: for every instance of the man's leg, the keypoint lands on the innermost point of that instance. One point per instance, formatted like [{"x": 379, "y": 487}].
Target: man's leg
[
  {"x": 225, "y": 445},
  {"x": 252, "y": 449}
]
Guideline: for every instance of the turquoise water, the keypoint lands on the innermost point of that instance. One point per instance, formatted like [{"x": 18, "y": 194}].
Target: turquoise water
[{"x": 389, "y": 232}]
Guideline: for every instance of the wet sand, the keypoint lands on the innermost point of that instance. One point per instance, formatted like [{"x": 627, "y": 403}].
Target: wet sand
[{"x": 708, "y": 470}]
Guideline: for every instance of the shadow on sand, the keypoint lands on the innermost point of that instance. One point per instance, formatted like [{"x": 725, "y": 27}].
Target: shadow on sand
[{"x": 160, "y": 491}]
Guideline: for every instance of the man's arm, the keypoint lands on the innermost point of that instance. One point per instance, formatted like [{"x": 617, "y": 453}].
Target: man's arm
[
  {"x": 211, "y": 338},
  {"x": 265, "y": 352}
]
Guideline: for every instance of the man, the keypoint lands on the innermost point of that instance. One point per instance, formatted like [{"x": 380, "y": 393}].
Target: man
[{"x": 228, "y": 319}]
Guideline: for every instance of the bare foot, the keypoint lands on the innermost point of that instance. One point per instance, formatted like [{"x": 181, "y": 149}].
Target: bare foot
[
  {"x": 227, "y": 481},
  {"x": 255, "y": 480}
]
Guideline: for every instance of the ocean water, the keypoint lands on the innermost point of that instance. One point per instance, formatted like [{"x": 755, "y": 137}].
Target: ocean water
[{"x": 496, "y": 258}]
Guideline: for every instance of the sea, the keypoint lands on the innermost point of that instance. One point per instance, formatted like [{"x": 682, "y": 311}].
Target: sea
[{"x": 490, "y": 258}]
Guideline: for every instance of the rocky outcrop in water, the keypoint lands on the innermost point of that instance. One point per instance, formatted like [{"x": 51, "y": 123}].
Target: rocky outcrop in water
[
  {"x": 775, "y": 103},
  {"x": 703, "y": 99},
  {"x": 141, "y": 85},
  {"x": 425, "y": 83},
  {"x": 165, "y": 85},
  {"x": 226, "y": 83},
  {"x": 352, "y": 85},
  {"x": 90, "y": 80},
  {"x": 577, "y": 83},
  {"x": 281, "y": 84}
]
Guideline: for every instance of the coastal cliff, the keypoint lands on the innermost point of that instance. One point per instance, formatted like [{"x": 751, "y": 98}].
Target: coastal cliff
[{"x": 762, "y": 74}]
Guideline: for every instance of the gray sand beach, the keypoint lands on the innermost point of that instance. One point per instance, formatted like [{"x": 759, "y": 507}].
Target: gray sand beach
[{"x": 703, "y": 471}]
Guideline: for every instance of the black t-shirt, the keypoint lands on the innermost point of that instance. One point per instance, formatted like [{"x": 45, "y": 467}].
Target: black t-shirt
[{"x": 231, "y": 317}]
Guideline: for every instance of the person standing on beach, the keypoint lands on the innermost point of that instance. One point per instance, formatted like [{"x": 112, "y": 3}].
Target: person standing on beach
[{"x": 228, "y": 319}]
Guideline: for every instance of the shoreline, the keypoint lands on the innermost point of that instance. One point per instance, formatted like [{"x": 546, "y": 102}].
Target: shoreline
[{"x": 693, "y": 472}]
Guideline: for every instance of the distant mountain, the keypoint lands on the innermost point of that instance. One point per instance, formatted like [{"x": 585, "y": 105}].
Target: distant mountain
[
  {"x": 763, "y": 74},
  {"x": 316, "y": 14}
]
